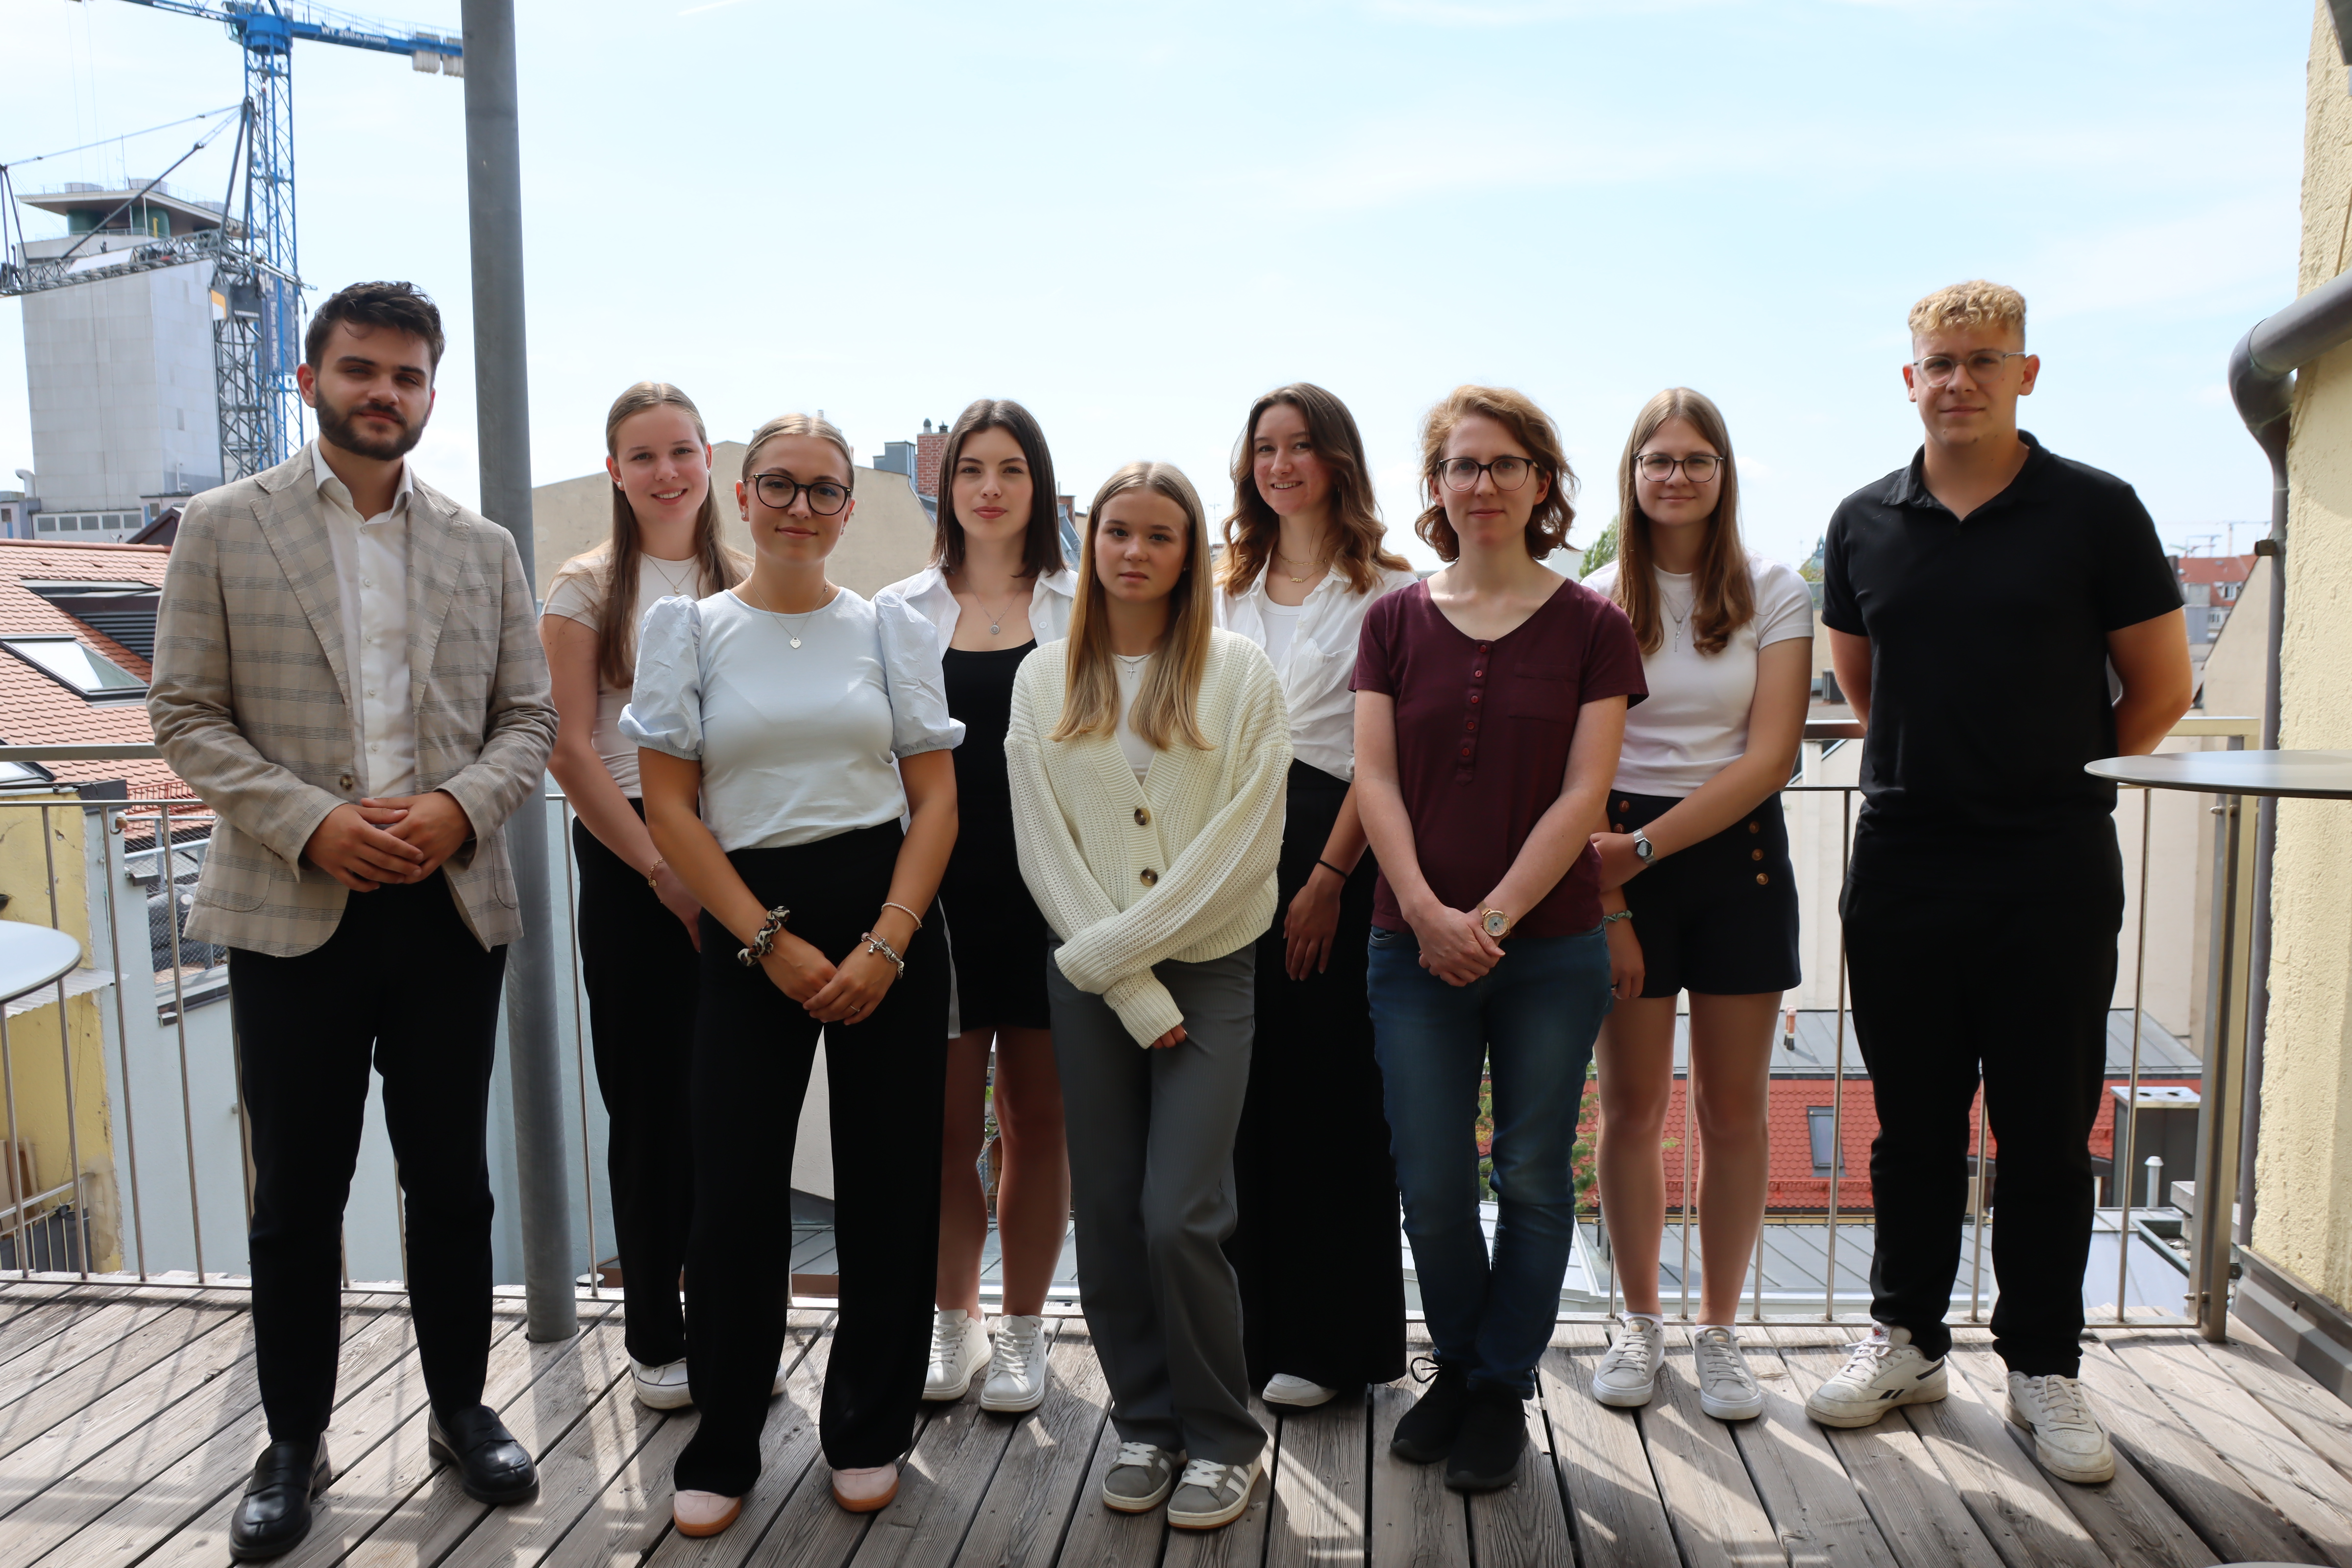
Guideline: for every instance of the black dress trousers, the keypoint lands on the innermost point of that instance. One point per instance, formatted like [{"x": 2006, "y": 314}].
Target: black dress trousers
[
  {"x": 637, "y": 965},
  {"x": 1317, "y": 1247},
  {"x": 402, "y": 984}
]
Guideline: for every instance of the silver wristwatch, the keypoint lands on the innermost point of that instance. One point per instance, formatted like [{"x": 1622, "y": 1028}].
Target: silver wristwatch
[{"x": 1643, "y": 850}]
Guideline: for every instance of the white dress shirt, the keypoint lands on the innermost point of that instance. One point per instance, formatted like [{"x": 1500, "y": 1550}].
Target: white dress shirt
[
  {"x": 1319, "y": 663},
  {"x": 1051, "y": 601},
  {"x": 372, "y": 570}
]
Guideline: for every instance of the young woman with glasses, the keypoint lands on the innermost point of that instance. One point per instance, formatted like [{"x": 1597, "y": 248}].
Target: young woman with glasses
[
  {"x": 806, "y": 721},
  {"x": 1322, "y": 1298},
  {"x": 637, "y": 921},
  {"x": 1146, "y": 756},
  {"x": 1697, "y": 857},
  {"x": 1489, "y": 704},
  {"x": 996, "y": 588}
]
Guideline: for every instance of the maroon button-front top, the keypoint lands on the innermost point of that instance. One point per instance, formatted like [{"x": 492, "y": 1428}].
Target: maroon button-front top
[{"x": 1470, "y": 724}]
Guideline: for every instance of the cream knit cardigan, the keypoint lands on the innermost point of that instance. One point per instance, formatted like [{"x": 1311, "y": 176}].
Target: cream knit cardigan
[{"x": 1179, "y": 864}]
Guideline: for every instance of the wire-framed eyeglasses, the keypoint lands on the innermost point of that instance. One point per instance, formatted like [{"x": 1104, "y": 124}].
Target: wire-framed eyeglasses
[
  {"x": 1983, "y": 365},
  {"x": 825, "y": 497},
  {"x": 1698, "y": 467},
  {"x": 1462, "y": 473}
]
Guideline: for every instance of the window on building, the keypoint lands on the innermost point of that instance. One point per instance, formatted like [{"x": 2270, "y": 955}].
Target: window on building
[
  {"x": 79, "y": 668},
  {"x": 1820, "y": 1121}
]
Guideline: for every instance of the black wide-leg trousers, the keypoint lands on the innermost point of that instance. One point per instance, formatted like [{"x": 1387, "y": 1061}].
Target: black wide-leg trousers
[
  {"x": 753, "y": 1049},
  {"x": 2009, "y": 984},
  {"x": 403, "y": 987},
  {"x": 638, "y": 966}
]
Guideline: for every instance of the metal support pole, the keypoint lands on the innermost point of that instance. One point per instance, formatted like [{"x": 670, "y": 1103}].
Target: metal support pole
[
  {"x": 502, "y": 399},
  {"x": 2219, "y": 1126}
]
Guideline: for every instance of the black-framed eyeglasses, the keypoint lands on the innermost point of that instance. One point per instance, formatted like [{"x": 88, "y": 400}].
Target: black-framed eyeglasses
[
  {"x": 1462, "y": 473},
  {"x": 1983, "y": 365},
  {"x": 1698, "y": 467},
  {"x": 825, "y": 497}
]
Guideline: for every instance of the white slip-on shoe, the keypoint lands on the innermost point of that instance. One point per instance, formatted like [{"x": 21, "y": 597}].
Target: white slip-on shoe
[
  {"x": 1880, "y": 1373},
  {"x": 699, "y": 1514},
  {"x": 958, "y": 1350},
  {"x": 1140, "y": 1478},
  {"x": 2067, "y": 1438},
  {"x": 662, "y": 1387},
  {"x": 1016, "y": 1367},
  {"x": 1726, "y": 1389},
  {"x": 1627, "y": 1375},
  {"x": 1298, "y": 1393},
  {"x": 1210, "y": 1496}
]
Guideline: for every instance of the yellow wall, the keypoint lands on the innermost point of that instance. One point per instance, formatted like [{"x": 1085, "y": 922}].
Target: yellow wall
[
  {"x": 2305, "y": 1182},
  {"x": 35, "y": 1056}
]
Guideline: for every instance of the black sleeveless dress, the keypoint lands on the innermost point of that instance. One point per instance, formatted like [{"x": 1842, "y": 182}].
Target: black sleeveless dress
[{"x": 995, "y": 934}]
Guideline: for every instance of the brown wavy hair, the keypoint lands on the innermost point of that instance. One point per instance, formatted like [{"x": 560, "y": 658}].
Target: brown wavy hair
[
  {"x": 1252, "y": 529},
  {"x": 614, "y": 565},
  {"x": 1723, "y": 599},
  {"x": 1532, "y": 428},
  {"x": 1165, "y": 704},
  {"x": 1041, "y": 546}
]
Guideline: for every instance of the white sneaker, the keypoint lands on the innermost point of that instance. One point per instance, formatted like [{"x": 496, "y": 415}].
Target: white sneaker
[
  {"x": 958, "y": 1350},
  {"x": 1880, "y": 1373},
  {"x": 2067, "y": 1438},
  {"x": 1295, "y": 1392},
  {"x": 662, "y": 1387},
  {"x": 1016, "y": 1369},
  {"x": 1629, "y": 1372},
  {"x": 1726, "y": 1389},
  {"x": 1212, "y": 1495}
]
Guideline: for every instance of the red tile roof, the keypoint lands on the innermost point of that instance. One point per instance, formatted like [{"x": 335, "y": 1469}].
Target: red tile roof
[
  {"x": 35, "y": 710},
  {"x": 2216, "y": 568}
]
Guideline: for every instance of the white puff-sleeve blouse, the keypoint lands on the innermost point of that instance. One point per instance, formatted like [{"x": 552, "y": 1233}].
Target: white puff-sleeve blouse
[{"x": 796, "y": 720}]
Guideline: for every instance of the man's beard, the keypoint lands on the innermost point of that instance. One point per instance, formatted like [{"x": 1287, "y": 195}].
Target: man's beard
[{"x": 342, "y": 426}]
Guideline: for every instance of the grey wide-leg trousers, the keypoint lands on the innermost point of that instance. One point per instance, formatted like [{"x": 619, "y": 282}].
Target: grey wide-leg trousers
[{"x": 1151, "y": 1177}]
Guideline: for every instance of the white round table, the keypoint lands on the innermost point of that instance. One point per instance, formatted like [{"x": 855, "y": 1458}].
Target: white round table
[{"x": 33, "y": 956}]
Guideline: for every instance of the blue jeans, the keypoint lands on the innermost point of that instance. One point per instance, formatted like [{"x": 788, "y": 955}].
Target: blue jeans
[{"x": 1534, "y": 1017}]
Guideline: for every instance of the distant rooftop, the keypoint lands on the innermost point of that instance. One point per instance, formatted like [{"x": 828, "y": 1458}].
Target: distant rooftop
[{"x": 84, "y": 207}]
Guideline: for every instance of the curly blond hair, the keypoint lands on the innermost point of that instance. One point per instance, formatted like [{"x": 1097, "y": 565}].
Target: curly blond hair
[{"x": 1975, "y": 303}]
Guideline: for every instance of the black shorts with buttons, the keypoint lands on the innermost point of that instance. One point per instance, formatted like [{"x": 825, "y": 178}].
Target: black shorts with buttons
[{"x": 1720, "y": 917}]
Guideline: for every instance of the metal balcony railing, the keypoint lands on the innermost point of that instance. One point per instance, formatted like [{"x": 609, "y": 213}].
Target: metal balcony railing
[{"x": 125, "y": 1153}]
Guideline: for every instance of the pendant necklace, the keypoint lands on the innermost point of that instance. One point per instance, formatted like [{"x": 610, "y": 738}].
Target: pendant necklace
[
  {"x": 1678, "y": 619},
  {"x": 661, "y": 569},
  {"x": 1313, "y": 570},
  {"x": 996, "y": 618},
  {"x": 792, "y": 624}
]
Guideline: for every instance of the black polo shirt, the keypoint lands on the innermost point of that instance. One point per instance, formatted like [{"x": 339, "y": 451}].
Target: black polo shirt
[{"x": 1989, "y": 687}]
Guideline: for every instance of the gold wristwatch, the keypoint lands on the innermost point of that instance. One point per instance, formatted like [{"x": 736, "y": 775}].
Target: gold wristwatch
[{"x": 1495, "y": 922}]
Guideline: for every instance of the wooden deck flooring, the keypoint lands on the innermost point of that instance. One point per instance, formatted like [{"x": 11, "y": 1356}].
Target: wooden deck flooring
[{"x": 128, "y": 1418}]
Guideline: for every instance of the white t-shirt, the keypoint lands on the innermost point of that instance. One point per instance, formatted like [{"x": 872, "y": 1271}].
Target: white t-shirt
[
  {"x": 1138, "y": 751},
  {"x": 1694, "y": 723},
  {"x": 1312, "y": 647},
  {"x": 796, "y": 743},
  {"x": 578, "y": 594}
]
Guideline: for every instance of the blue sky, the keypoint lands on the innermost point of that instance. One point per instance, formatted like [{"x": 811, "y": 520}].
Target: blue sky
[{"x": 1134, "y": 219}]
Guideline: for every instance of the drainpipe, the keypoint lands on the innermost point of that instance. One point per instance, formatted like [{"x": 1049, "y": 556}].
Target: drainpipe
[{"x": 2262, "y": 383}]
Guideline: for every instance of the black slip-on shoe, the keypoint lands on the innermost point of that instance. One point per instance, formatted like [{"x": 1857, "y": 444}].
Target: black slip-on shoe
[
  {"x": 1426, "y": 1434},
  {"x": 274, "y": 1514},
  {"x": 491, "y": 1466},
  {"x": 1487, "y": 1450}
]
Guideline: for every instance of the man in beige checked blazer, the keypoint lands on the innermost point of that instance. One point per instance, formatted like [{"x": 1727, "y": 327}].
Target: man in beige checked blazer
[{"x": 347, "y": 671}]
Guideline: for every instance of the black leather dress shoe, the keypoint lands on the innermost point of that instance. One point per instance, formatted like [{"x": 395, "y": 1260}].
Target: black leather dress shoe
[
  {"x": 274, "y": 1515},
  {"x": 490, "y": 1465}
]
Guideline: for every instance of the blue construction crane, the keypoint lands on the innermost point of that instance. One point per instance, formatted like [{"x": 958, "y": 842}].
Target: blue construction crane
[{"x": 258, "y": 337}]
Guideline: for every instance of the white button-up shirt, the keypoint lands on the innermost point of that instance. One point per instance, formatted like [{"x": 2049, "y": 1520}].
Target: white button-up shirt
[
  {"x": 1053, "y": 599},
  {"x": 1319, "y": 663},
  {"x": 372, "y": 570}
]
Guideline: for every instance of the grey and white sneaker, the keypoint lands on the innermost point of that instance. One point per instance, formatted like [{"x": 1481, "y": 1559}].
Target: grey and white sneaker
[
  {"x": 1141, "y": 1478},
  {"x": 1629, "y": 1372},
  {"x": 1880, "y": 1373},
  {"x": 663, "y": 1387},
  {"x": 1297, "y": 1393},
  {"x": 2067, "y": 1438},
  {"x": 958, "y": 1350},
  {"x": 1212, "y": 1495},
  {"x": 1726, "y": 1389},
  {"x": 1016, "y": 1368}
]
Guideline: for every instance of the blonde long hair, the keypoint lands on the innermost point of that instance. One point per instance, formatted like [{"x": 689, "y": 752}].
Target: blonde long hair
[
  {"x": 1165, "y": 704},
  {"x": 613, "y": 565},
  {"x": 1723, "y": 596}
]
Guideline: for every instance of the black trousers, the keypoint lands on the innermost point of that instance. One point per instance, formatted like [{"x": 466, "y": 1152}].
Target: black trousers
[
  {"x": 1321, "y": 1270},
  {"x": 403, "y": 985},
  {"x": 638, "y": 966},
  {"x": 2011, "y": 985},
  {"x": 753, "y": 1047}
]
